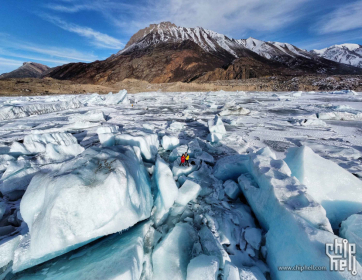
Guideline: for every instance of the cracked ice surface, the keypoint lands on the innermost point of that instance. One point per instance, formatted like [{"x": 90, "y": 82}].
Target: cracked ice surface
[{"x": 92, "y": 188}]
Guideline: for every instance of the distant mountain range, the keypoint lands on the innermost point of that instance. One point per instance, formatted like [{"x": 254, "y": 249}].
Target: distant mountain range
[
  {"x": 209, "y": 41},
  {"x": 27, "y": 70},
  {"x": 167, "y": 53},
  {"x": 350, "y": 54}
]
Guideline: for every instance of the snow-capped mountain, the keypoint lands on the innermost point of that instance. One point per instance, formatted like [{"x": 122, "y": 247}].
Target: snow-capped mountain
[
  {"x": 273, "y": 50},
  {"x": 27, "y": 70},
  {"x": 350, "y": 54},
  {"x": 165, "y": 52},
  {"x": 208, "y": 40}
]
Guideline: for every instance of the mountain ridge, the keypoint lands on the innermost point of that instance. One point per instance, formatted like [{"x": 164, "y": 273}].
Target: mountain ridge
[
  {"x": 27, "y": 70},
  {"x": 164, "y": 52},
  {"x": 350, "y": 54}
]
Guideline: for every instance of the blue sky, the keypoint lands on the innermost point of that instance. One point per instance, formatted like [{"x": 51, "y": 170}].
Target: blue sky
[{"x": 55, "y": 32}]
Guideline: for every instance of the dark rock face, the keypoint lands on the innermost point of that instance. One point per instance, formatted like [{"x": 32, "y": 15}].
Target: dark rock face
[
  {"x": 27, "y": 70},
  {"x": 164, "y": 53},
  {"x": 165, "y": 62}
]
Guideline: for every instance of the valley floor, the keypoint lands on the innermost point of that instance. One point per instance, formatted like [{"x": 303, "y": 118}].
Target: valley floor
[
  {"x": 49, "y": 86},
  {"x": 92, "y": 186}
]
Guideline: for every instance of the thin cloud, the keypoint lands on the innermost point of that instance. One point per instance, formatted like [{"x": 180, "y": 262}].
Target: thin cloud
[
  {"x": 345, "y": 18},
  {"x": 328, "y": 40},
  {"x": 35, "y": 58},
  {"x": 17, "y": 51},
  {"x": 9, "y": 43},
  {"x": 7, "y": 65},
  {"x": 67, "y": 53},
  {"x": 10, "y": 62},
  {"x": 228, "y": 16},
  {"x": 231, "y": 15},
  {"x": 129, "y": 17},
  {"x": 69, "y": 9},
  {"x": 97, "y": 38}
]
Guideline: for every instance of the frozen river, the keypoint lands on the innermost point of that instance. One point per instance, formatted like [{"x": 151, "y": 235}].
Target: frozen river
[{"x": 91, "y": 185}]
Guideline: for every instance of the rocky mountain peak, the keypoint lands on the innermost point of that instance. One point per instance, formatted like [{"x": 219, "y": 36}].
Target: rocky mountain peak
[
  {"x": 350, "y": 54},
  {"x": 162, "y": 26},
  {"x": 27, "y": 70},
  {"x": 165, "y": 52}
]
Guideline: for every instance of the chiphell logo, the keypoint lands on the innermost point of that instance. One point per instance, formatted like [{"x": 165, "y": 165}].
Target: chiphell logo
[{"x": 342, "y": 256}]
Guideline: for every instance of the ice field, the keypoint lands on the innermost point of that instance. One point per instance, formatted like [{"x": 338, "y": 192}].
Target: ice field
[{"x": 92, "y": 188}]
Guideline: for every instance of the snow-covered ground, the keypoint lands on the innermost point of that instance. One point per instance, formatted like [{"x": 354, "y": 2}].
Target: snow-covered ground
[{"x": 92, "y": 187}]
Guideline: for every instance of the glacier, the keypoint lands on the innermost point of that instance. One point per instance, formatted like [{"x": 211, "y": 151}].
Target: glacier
[
  {"x": 99, "y": 193},
  {"x": 171, "y": 257},
  {"x": 101, "y": 259},
  {"x": 351, "y": 229},
  {"x": 338, "y": 191},
  {"x": 305, "y": 227},
  {"x": 92, "y": 188}
]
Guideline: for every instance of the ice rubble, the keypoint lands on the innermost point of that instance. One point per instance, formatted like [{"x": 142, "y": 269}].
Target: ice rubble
[
  {"x": 348, "y": 92},
  {"x": 5, "y": 160},
  {"x": 147, "y": 142},
  {"x": 297, "y": 93},
  {"x": 343, "y": 116},
  {"x": 170, "y": 142},
  {"x": 297, "y": 225},
  {"x": 212, "y": 246},
  {"x": 178, "y": 170},
  {"x": 203, "y": 267},
  {"x": 176, "y": 126},
  {"x": 206, "y": 157},
  {"x": 307, "y": 121},
  {"x": 188, "y": 191},
  {"x": 100, "y": 260},
  {"x": 214, "y": 137},
  {"x": 167, "y": 190},
  {"x": 2, "y": 208},
  {"x": 118, "y": 98},
  {"x": 351, "y": 229},
  {"x": 234, "y": 111},
  {"x": 50, "y": 147},
  {"x": 211, "y": 223},
  {"x": 98, "y": 193},
  {"x": 252, "y": 273},
  {"x": 7, "y": 251},
  {"x": 231, "y": 189},
  {"x": 331, "y": 151},
  {"x": 216, "y": 128},
  {"x": 66, "y": 143},
  {"x": 230, "y": 167},
  {"x": 172, "y": 255},
  {"x": 233, "y": 273},
  {"x": 106, "y": 134},
  {"x": 16, "y": 178},
  {"x": 204, "y": 177},
  {"x": 43, "y": 106},
  {"x": 192, "y": 148},
  {"x": 28, "y": 109},
  {"x": 253, "y": 237},
  {"x": 91, "y": 116},
  {"x": 177, "y": 152},
  {"x": 337, "y": 190}
]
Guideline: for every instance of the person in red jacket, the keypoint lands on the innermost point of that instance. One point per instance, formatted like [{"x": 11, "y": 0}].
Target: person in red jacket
[{"x": 182, "y": 160}]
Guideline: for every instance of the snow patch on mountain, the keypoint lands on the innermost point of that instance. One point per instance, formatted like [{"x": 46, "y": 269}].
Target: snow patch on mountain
[
  {"x": 220, "y": 44},
  {"x": 350, "y": 54},
  {"x": 208, "y": 40}
]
